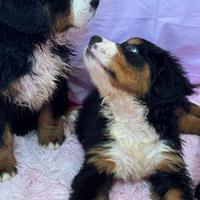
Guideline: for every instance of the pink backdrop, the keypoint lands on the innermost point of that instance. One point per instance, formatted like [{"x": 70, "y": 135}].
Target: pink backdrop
[{"x": 172, "y": 24}]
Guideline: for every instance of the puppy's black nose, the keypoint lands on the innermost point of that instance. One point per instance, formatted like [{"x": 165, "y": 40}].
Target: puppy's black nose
[
  {"x": 94, "y": 3},
  {"x": 94, "y": 40}
]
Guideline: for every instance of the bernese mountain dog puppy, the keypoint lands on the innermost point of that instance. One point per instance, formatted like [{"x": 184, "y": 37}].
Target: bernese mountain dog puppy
[
  {"x": 34, "y": 65},
  {"x": 128, "y": 125}
]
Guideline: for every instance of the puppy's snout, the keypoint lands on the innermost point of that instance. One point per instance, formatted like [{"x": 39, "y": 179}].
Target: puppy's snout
[
  {"x": 94, "y": 3},
  {"x": 95, "y": 39}
]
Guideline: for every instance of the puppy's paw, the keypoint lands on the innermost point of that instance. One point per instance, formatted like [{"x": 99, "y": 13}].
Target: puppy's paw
[
  {"x": 7, "y": 159},
  {"x": 52, "y": 146},
  {"x": 52, "y": 136},
  {"x": 5, "y": 175}
]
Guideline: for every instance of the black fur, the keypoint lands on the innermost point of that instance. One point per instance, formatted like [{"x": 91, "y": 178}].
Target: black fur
[
  {"x": 168, "y": 90},
  {"x": 15, "y": 50},
  {"x": 169, "y": 81},
  {"x": 94, "y": 183},
  {"x": 60, "y": 100},
  {"x": 24, "y": 16},
  {"x": 93, "y": 122},
  {"x": 162, "y": 182},
  {"x": 197, "y": 192},
  {"x": 63, "y": 51}
]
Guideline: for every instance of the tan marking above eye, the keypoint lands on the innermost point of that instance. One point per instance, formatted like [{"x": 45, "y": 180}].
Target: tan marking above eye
[
  {"x": 135, "y": 41},
  {"x": 63, "y": 22},
  {"x": 174, "y": 194}
]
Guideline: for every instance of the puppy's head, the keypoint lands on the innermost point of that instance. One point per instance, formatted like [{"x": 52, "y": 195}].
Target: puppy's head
[
  {"x": 70, "y": 13},
  {"x": 136, "y": 67},
  {"x": 43, "y": 16}
]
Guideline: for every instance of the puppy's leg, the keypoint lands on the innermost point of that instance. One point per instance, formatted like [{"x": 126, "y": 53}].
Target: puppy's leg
[
  {"x": 171, "y": 186},
  {"x": 89, "y": 184},
  {"x": 52, "y": 123},
  {"x": 171, "y": 180},
  {"x": 194, "y": 110},
  {"x": 61, "y": 106},
  {"x": 50, "y": 129},
  {"x": 187, "y": 122},
  {"x": 7, "y": 158}
]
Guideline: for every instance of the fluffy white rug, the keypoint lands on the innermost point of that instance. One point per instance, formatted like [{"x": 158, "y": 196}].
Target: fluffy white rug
[{"x": 47, "y": 174}]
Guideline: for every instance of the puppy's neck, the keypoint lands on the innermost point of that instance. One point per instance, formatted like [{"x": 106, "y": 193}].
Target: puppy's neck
[{"x": 124, "y": 106}]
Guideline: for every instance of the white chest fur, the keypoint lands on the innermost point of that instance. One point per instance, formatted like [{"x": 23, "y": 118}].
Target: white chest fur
[
  {"x": 34, "y": 89},
  {"x": 136, "y": 149}
]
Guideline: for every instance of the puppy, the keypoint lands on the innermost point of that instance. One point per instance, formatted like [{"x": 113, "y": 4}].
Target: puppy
[
  {"x": 128, "y": 125},
  {"x": 34, "y": 65}
]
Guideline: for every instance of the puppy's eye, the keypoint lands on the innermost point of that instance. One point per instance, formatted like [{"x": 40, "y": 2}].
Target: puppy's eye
[{"x": 132, "y": 48}]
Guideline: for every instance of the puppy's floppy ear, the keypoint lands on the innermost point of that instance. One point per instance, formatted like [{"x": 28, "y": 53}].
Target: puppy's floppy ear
[
  {"x": 169, "y": 81},
  {"x": 27, "y": 16}
]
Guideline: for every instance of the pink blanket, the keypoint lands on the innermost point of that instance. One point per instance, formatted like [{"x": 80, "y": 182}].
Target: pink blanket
[{"x": 175, "y": 25}]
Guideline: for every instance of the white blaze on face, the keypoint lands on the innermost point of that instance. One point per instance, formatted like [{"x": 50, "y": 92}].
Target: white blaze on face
[
  {"x": 82, "y": 12},
  {"x": 95, "y": 70},
  {"x": 104, "y": 51},
  {"x": 101, "y": 56}
]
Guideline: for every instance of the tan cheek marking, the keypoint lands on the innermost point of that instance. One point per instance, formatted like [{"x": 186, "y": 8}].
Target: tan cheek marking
[
  {"x": 172, "y": 163},
  {"x": 7, "y": 159},
  {"x": 173, "y": 194},
  {"x": 101, "y": 161},
  {"x": 60, "y": 22},
  {"x": 136, "y": 81}
]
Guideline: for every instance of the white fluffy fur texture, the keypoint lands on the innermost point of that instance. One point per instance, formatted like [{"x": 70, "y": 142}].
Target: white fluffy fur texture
[
  {"x": 46, "y": 175},
  {"x": 82, "y": 12},
  {"x": 138, "y": 150},
  {"x": 33, "y": 90}
]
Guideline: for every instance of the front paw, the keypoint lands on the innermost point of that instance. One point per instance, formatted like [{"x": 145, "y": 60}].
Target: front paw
[
  {"x": 52, "y": 135},
  {"x": 7, "y": 165},
  {"x": 7, "y": 158},
  {"x": 7, "y": 175}
]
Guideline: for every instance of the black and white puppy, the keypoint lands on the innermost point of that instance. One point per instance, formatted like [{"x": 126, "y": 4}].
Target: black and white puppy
[
  {"x": 34, "y": 64},
  {"x": 128, "y": 125}
]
